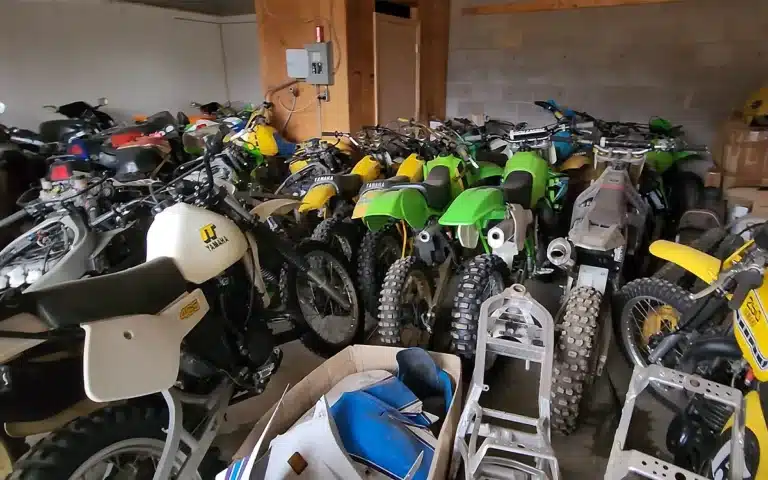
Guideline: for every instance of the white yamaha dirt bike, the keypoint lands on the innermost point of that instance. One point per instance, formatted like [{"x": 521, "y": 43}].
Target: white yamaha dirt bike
[{"x": 187, "y": 327}]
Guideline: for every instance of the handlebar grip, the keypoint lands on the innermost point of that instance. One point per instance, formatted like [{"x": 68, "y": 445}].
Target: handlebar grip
[
  {"x": 13, "y": 218},
  {"x": 746, "y": 281},
  {"x": 696, "y": 148},
  {"x": 328, "y": 134}
]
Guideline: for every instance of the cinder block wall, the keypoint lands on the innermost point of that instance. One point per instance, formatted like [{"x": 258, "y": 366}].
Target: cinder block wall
[{"x": 691, "y": 62}]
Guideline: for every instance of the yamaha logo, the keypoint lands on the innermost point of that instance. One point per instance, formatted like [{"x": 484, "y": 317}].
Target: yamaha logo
[{"x": 211, "y": 240}]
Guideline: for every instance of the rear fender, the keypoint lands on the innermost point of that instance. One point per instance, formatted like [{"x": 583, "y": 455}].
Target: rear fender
[
  {"x": 704, "y": 266},
  {"x": 278, "y": 206},
  {"x": 476, "y": 206},
  {"x": 406, "y": 204},
  {"x": 361, "y": 207},
  {"x": 488, "y": 173},
  {"x": 23, "y": 322}
]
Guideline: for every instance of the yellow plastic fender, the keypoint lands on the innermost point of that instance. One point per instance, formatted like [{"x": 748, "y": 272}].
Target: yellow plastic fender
[
  {"x": 362, "y": 203},
  {"x": 574, "y": 162},
  {"x": 368, "y": 168},
  {"x": 317, "y": 197},
  {"x": 704, "y": 266},
  {"x": 412, "y": 167}
]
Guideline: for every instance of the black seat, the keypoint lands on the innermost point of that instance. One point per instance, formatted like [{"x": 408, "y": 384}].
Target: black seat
[
  {"x": 383, "y": 184},
  {"x": 145, "y": 289},
  {"x": 518, "y": 188},
  {"x": 348, "y": 184},
  {"x": 436, "y": 188}
]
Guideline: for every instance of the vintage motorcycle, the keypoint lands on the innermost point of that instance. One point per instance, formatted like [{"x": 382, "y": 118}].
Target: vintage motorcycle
[
  {"x": 720, "y": 334},
  {"x": 608, "y": 233},
  {"x": 190, "y": 325}
]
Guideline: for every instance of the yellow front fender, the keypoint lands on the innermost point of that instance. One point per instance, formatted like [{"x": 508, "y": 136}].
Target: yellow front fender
[
  {"x": 317, "y": 197},
  {"x": 704, "y": 266}
]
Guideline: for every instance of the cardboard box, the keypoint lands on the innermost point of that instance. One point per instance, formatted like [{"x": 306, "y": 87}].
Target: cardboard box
[
  {"x": 713, "y": 178},
  {"x": 353, "y": 359},
  {"x": 756, "y": 199},
  {"x": 743, "y": 154}
]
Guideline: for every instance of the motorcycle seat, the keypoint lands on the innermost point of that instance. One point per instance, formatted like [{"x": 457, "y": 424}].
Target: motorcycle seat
[
  {"x": 348, "y": 185},
  {"x": 436, "y": 188},
  {"x": 383, "y": 184},
  {"x": 142, "y": 290},
  {"x": 517, "y": 188}
]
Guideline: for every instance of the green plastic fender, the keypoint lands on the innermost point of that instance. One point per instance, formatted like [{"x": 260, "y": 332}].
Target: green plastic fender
[
  {"x": 534, "y": 164},
  {"x": 475, "y": 206},
  {"x": 407, "y": 204},
  {"x": 662, "y": 161}
]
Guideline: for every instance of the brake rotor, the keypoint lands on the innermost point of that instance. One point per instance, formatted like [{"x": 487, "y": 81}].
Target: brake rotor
[{"x": 660, "y": 319}]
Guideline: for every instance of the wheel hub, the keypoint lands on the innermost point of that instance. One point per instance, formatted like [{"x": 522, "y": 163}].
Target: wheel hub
[{"x": 660, "y": 319}]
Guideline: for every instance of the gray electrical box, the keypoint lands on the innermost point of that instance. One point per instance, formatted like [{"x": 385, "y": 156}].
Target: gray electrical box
[
  {"x": 297, "y": 63},
  {"x": 320, "y": 63}
]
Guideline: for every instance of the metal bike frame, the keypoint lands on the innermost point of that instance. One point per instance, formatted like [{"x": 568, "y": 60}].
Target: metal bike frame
[
  {"x": 475, "y": 420},
  {"x": 622, "y": 462}
]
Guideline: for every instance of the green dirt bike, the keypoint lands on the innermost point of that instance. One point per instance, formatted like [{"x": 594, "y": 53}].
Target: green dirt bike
[
  {"x": 414, "y": 285},
  {"x": 512, "y": 222}
]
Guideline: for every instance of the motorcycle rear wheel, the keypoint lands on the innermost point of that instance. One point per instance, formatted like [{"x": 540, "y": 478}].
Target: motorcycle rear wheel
[
  {"x": 327, "y": 327},
  {"x": 378, "y": 251},
  {"x": 342, "y": 234}
]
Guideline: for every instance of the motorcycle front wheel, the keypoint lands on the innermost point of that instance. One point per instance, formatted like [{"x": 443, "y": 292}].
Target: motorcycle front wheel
[
  {"x": 327, "y": 326},
  {"x": 124, "y": 441}
]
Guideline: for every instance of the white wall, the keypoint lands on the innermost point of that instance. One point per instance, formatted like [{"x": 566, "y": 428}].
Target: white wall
[
  {"x": 143, "y": 59},
  {"x": 241, "y": 55}
]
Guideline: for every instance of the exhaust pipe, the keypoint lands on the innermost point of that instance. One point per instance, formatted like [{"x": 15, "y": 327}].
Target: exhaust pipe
[
  {"x": 560, "y": 253},
  {"x": 501, "y": 233}
]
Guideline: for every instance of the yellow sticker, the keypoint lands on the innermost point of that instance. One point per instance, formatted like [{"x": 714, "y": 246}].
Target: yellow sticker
[
  {"x": 208, "y": 233},
  {"x": 751, "y": 310},
  {"x": 189, "y": 309}
]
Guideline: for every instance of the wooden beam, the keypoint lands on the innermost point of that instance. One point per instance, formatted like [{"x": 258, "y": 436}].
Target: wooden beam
[{"x": 547, "y": 5}]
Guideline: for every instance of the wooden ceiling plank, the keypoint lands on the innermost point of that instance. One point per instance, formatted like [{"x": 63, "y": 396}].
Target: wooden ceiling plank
[{"x": 548, "y": 5}]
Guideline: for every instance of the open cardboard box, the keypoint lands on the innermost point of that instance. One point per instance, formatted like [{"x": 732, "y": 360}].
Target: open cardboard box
[{"x": 353, "y": 359}]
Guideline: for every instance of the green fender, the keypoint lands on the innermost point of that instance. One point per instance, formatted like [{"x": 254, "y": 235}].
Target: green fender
[
  {"x": 407, "y": 204},
  {"x": 475, "y": 206},
  {"x": 534, "y": 164}
]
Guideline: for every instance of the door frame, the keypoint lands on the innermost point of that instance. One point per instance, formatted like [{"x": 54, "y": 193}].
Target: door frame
[{"x": 404, "y": 21}]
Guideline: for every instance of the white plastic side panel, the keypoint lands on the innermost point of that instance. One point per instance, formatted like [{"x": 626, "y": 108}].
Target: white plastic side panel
[
  {"x": 203, "y": 243},
  {"x": 137, "y": 355},
  {"x": 23, "y": 322}
]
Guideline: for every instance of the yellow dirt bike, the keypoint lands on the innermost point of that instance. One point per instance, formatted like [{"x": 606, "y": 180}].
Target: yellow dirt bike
[
  {"x": 387, "y": 153},
  {"x": 719, "y": 334}
]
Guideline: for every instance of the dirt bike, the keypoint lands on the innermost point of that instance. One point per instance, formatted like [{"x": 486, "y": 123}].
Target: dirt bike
[
  {"x": 190, "y": 326},
  {"x": 407, "y": 297},
  {"x": 731, "y": 353},
  {"x": 510, "y": 221},
  {"x": 608, "y": 233},
  {"x": 388, "y": 154}
]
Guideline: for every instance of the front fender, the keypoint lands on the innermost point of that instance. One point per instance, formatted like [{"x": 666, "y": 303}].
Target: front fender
[
  {"x": 473, "y": 206},
  {"x": 317, "y": 197},
  {"x": 406, "y": 204},
  {"x": 704, "y": 266}
]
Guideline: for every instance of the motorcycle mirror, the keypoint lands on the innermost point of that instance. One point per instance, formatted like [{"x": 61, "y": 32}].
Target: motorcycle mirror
[
  {"x": 2, "y": 108},
  {"x": 51, "y": 108},
  {"x": 102, "y": 101},
  {"x": 194, "y": 104}
]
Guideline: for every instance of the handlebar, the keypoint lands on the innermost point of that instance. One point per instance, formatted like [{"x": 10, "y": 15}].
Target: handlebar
[{"x": 13, "y": 218}]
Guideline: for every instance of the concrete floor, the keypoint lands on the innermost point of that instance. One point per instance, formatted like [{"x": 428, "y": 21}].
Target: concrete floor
[{"x": 582, "y": 455}]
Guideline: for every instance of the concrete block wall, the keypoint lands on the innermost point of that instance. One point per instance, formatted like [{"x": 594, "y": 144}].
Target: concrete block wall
[{"x": 691, "y": 62}]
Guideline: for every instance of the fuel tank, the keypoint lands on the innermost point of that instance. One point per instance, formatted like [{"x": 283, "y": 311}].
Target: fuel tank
[{"x": 203, "y": 243}]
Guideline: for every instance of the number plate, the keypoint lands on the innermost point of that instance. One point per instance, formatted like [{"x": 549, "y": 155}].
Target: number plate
[{"x": 752, "y": 310}]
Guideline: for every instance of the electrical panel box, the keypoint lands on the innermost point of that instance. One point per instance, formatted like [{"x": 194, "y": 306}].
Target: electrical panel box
[
  {"x": 320, "y": 63},
  {"x": 297, "y": 63}
]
